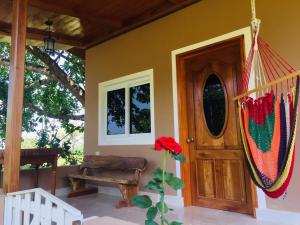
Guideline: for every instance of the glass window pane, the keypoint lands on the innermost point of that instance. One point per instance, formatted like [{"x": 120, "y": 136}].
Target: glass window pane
[
  {"x": 214, "y": 105},
  {"x": 140, "y": 119},
  {"x": 116, "y": 112}
]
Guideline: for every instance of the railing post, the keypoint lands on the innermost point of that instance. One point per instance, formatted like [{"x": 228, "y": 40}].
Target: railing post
[{"x": 15, "y": 97}]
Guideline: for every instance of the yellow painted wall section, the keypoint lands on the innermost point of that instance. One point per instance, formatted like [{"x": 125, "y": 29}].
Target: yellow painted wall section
[{"x": 150, "y": 47}]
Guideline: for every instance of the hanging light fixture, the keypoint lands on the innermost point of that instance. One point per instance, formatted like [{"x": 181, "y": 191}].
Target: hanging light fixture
[{"x": 49, "y": 42}]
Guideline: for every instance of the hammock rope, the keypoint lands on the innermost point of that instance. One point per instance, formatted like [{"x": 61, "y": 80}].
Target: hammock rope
[{"x": 268, "y": 109}]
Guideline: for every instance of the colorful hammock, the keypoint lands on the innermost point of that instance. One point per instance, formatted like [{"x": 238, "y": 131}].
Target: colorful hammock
[{"x": 268, "y": 115}]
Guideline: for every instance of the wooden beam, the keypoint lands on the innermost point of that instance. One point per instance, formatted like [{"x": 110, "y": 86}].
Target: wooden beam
[
  {"x": 39, "y": 35},
  {"x": 50, "y": 6},
  {"x": 15, "y": 97},
  {"x": 78, "y": 52},
  {"x": 60, "y": 8},
  {"x": 160, "y": 11},
  {"x": 175, "y": 1}
]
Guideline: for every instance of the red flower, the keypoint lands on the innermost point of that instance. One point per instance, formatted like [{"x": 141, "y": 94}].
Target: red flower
[
  {"x": 177, "y": 150},
  {"x": 167, "y": 143}
]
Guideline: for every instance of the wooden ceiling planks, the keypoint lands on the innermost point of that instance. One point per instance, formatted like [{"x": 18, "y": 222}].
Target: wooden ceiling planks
[{"x": 84, "y": 24}]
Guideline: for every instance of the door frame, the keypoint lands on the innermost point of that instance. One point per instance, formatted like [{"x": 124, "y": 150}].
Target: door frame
[{"x": 181, "y": 114}]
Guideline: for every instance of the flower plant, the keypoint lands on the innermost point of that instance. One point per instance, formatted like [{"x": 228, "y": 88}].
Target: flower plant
[{"x": 160, "y": 178}]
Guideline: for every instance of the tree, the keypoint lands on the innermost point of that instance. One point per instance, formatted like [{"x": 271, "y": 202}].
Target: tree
[{"x": 54, "y": 96}]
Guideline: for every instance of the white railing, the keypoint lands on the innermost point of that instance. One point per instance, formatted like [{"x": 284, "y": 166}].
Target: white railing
[{"x": 38, "y": 207}]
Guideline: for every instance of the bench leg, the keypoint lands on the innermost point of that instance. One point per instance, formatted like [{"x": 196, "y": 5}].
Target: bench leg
[
  {"x": 77, "y": 184},
  {"x": 127, "y": 191},
  {"x": 79, "y": 188}
]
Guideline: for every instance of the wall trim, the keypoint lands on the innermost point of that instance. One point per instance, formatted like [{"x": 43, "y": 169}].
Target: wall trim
[
  {"x": 246, "y": 32},
  {"x": 277, "y": 216},
  {"x": 172, "y": 200}
]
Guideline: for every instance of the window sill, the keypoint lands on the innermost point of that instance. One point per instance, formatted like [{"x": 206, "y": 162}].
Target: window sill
[{"x": 136, "y": 139}]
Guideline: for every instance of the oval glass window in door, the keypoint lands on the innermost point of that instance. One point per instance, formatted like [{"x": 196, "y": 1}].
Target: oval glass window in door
[{"x": 214, "y": 105}]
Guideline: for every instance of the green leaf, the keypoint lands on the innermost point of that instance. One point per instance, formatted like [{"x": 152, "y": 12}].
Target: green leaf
[
  {"x": 175, "y": 223},
  {"x": 142, "y": 201},
  {"x": 152, "y": 213},
  {"x": 158, "y": 173},
  {"x": 168, "y": 176},
  {"x": 150, "y": 222},
  {"x": 178, "y": 157},
  {"x": 152, "y": 185},
  {"x": 159, "y": 206},
  {"x": 156, "y": 180},
  {"x": 175, "y": 183}
]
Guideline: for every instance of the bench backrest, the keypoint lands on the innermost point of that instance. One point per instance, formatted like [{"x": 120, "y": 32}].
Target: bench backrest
[
  {"x": 114, "y": 163},
  {"x": 36, "y": 207}
]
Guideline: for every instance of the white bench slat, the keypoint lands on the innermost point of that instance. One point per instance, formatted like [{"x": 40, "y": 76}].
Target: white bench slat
[
  {"x": 46, "y": 212},
  {"x": 26, "y": 205},
  {"x": 8, "y": 210},
  {"x": 60, "y": 216},
  {"x": 36, "y": 209},
  {"x": 17, "y": 210},
  {"x": 41, "y": 206}
]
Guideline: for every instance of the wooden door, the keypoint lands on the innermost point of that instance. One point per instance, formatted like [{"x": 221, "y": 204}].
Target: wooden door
[{"x": 218, "y": 176}]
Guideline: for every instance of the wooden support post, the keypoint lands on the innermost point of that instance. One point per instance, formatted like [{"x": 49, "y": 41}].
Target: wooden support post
[
  {"x": 53, "y": 175},
  {"x": 36, "y": 183},
  {"x": 15, "y": 97}
]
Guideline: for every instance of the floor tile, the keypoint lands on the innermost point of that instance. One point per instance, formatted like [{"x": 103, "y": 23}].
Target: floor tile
[{"x": 104, "y": 205}]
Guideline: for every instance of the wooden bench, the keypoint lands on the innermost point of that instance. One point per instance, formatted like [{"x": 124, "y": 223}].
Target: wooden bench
[{"x": 125, "y": 172}]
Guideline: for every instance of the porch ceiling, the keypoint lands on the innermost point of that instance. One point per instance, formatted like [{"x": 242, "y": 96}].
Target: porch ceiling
[{"x": 84, "y": 24}]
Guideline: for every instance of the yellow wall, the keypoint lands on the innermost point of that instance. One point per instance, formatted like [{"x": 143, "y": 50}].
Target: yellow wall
[
  {"x": 150, "y": 47},
  {"x": 27, "y": 178}
]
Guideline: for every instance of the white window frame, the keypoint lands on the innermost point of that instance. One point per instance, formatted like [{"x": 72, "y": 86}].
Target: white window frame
[{"x": 140, "y": 78}]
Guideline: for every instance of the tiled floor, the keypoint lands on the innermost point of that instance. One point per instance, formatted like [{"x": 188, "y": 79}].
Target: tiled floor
[{"x": 104, "y": 205}]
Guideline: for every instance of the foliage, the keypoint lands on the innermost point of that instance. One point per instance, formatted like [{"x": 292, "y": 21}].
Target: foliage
[
  {"x": 46, "y": 100},
  {"x": 140, "y": 115},
  {"x": 139, "y": 100},
  {"x": 157, "y": 183},
  {"x": 116, "y": 106}
]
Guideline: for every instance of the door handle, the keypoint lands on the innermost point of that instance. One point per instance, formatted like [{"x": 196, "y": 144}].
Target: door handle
[{"x": 190, "y": 140}]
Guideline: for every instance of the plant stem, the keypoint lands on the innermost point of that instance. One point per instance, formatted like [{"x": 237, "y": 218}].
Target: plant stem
[{"x": 162, "y": 201}]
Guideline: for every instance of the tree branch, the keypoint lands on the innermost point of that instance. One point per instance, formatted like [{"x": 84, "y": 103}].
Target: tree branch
[
  {"x": 56, "y": 116},
  {"x": 79, "y": 66},
  {"x": 29, "y": 67},
  {"x": 46, "y": 72},
  {"x": 38, "y": 84},
  {"x": 58, "y": 74}
]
